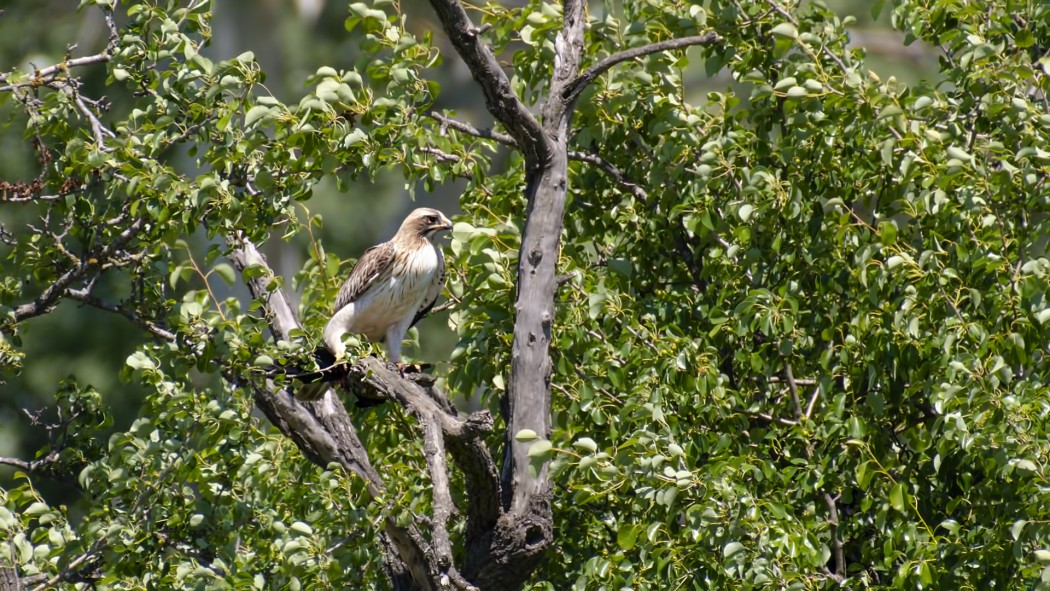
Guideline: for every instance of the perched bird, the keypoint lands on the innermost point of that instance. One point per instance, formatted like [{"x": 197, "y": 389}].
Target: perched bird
[{"x": 392, "y": 287}]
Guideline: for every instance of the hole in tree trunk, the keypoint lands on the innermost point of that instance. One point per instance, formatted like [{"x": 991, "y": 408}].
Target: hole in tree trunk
[{"x": 533, "y": 536}]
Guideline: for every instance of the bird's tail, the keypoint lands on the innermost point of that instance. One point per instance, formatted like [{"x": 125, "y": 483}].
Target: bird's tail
[
  {"x": 313, "y": 391},
  {"x": 316, "y": 383}
]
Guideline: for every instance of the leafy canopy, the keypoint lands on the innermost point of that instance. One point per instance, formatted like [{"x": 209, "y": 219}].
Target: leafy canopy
[{"x": 804, "y": 338}]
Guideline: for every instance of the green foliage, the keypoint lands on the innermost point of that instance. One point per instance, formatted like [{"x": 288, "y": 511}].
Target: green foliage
[
  {"x": 808, "y": 310},
  {"x": 885, "y": 243}
]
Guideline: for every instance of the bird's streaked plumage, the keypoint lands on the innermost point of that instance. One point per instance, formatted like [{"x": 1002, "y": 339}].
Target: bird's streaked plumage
[{"x": 392, "y": 287}]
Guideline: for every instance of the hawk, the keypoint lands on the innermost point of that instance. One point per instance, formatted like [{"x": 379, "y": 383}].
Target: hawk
[{"x": 392, "y": 287}]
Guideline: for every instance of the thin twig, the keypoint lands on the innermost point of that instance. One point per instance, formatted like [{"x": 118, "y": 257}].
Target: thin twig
[
  {"x": 812, "y": 402},
  {"x": 98, "y": 130},
  {"x": 574, "y": 88},
  {"x": 565, "y": 278},
  {"x": 85, "y": 296},
  {"x": 440, "y": 155},
  {"x": 447, "y": 304},
  {"x": 48, "y": 74},
  {"x": 793, "y": 387},
  {"x": 611, "y": 170},
  {"x": 469, "y": 129},
  {"x": 799, "y": 381},
  {"x": 771, "y": 419}
]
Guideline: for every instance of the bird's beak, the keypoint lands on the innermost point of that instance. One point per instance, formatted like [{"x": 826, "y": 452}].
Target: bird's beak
[{"x": 444, "y": 224}]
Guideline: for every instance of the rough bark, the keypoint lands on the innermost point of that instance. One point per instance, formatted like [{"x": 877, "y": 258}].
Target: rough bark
[{"x": 9, "y": 580}]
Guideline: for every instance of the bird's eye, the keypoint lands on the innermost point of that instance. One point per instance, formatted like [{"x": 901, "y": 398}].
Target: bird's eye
[{"x": 431, "y": 219}]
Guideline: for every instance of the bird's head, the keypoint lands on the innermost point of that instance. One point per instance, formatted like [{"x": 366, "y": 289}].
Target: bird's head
[{"x": 424, "y": 223}]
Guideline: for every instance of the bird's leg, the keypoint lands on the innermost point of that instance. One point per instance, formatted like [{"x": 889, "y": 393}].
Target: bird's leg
[{"x": 394, "y": 336}]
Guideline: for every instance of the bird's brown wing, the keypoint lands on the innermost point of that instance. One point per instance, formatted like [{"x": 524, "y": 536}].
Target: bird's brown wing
[
  {"x": 373, "y": 264},
  {"x": 433, "y": 290}
]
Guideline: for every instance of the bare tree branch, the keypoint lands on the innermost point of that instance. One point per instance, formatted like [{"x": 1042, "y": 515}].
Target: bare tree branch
[
  {"x": 323, "y": 431},
  {"x": 293, "y": 418},
  {"x": 573, "y": 89},
  {"x": 793, "y": 387},
  {"x": 768, "y": 418},
  {"x": 469, "y": 129},
  {"x": 18, "y": 463},
  {"x": 279, "y": 312},
  {"x": 836, "y": 541},
  {"x": 47, "y": 300},
  {"x": 614, "y": 173},
  {"x": 589, "y": 157},
  {"x": 45, "y": 75},
  {"x": 9, "y": 579},
  {"x": 440, "y": 155},
  {"x": 434, "y": 452},
  {"x": 499, "y": 98},
  {"x": 371, "y": 378},
  {"x": 510, "y": 547},
  {"x": 98, "y": 130},
  {"x": 85, "y": 296},
  {"x": 50, "y": 73},
  {"x": 812, "y": 402}
]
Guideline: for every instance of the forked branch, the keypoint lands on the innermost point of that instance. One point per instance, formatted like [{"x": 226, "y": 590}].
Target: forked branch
[
  {"x": 499, "y": 98},
  {"x": 323, "y": 431}
]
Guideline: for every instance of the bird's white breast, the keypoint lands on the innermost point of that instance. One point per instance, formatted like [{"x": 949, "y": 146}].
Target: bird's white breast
[{"x": 397, "y": 296}]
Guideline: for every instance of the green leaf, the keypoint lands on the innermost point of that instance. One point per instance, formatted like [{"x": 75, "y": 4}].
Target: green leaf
[
  {"x": 227, "y": 273},
  {"x": 7, "y": 519},
  {"x": 732, "y": 549},
  {"x": 1017, "y": 528},
  {"x": 526, "y": 435},
  {"x": 627, "y": 536},
  {"x": 897, "y": 497},
  {"x": 887, "y": 233},
  {"x": 954, "y": 152},
  {"x": 876, "y": 9},
  {"x": 887, "y": 151},
  {"x": 864, "y": 474},
  {"x": 302, "y": 528},
  {"x": 620, "y": 266},
  {"x": 586, "y": 443},
  {"x": 745, "y": 211},
  {"x": 785, "y": 30},
  {"x": 176, "y": 274},
  {"x": 37, "y": 508},
  {"x": 541, "y": 449},
  {"x": 138, "y": 360},
  {"x": 256, "y": 114}
]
